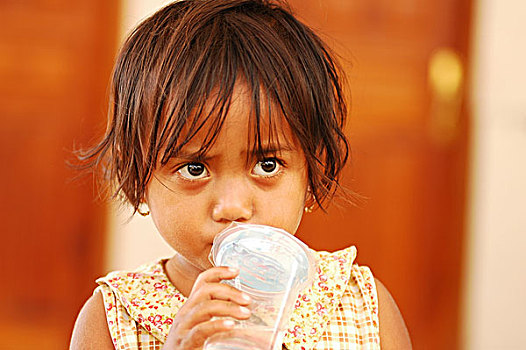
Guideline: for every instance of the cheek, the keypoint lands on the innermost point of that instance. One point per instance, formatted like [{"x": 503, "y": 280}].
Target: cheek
[
  {"x": 169, "y": 215},
  {"x": 166, "y": 203},
  {"x": 295, "y": 199},
  {"x": 167, "y": 210},
  {"x": 177, "y": 225},
  {"x": 286, "y": 205}
]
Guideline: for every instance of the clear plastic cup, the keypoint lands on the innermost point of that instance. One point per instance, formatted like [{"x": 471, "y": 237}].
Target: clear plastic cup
[{"x": 274, "y": 267}]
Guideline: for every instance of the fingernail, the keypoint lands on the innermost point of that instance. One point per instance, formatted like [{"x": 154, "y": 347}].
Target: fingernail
[
  {"x": 245, "y": 297},
  {"x": 233, "y": 269},
  {"x": 244, "y": 310},
  {"x": 228, "y": 323}
]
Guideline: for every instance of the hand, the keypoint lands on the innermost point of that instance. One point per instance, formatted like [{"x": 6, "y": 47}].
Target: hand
[{"x": 193, "y": 323}]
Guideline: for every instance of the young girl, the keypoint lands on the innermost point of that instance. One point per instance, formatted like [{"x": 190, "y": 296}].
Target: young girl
[{"x": 222, "y": 111}]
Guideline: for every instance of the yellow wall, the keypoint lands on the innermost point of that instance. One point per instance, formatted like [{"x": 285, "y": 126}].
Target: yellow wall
[{"x": 495, "y": 299}]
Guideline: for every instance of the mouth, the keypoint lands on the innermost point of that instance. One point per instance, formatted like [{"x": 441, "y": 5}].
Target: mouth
[{"x": 209, "y": 254}]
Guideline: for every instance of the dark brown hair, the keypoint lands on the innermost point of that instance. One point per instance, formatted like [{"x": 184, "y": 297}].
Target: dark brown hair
[{"x": 192, "y": 52}]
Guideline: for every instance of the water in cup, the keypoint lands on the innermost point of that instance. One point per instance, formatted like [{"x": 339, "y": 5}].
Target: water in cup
[{"x": 274, "y": 267}]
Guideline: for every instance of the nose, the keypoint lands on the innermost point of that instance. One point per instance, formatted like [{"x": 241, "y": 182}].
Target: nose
[{"x": 233, "y": 202}]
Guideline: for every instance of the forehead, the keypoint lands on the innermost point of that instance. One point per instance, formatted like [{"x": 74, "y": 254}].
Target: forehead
[{"x": 259, "y": 122}]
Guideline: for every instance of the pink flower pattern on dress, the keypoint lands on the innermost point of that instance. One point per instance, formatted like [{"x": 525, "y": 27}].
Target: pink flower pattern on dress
[
  {"x": 295, "y": 331},
  {"x": 152, "y": 301},
  {"x": 148, "y": 297},
  {"x": 314, "y": 306},
  {"x": 320, "y": 309}
]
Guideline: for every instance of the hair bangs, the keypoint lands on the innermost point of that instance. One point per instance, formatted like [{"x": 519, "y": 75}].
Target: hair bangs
[{"x": 202, "y": 100}]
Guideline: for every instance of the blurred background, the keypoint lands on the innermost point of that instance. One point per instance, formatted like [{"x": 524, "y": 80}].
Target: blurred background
[{"x": 438, "y": 135}]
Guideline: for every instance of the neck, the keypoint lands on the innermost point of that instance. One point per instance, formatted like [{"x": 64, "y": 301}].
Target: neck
[{"x": 182, "y": 273}]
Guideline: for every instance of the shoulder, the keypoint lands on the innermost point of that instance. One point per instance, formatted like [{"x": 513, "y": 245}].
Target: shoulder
[
  {"x": 341, "y": 260},
  {"x": 91, "y": 329},
  {"x": 393, "y": 331}
]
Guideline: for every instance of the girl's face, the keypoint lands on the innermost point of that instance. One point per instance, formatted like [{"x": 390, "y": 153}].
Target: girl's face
[{"x": 191, "y": 200}]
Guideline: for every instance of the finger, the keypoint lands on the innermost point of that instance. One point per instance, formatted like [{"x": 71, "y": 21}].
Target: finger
[
  {"x": 205, "y": 311},
  {"x": 200, "y": 333},
  {"x": 217, "y": 274},
  {"x": 220, "y": 291}
]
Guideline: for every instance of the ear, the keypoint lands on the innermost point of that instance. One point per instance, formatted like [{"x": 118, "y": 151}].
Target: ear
[
  {"x": 310, "y": 198},
  {"x": 308, "y": 194},
  {"x": 146, "y": 194}
]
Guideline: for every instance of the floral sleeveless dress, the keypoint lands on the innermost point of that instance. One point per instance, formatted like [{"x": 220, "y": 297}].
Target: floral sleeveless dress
[{"x": 339, "y": 310}]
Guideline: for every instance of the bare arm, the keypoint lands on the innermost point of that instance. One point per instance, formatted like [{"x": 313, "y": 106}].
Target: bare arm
[
  {"x": 91, "y": 329},
  {"x": 393, "y": 331}
]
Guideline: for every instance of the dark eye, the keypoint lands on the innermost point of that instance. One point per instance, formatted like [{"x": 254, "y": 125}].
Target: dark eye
[
  {"x": 267, "y": 167},
  {"x": 193, "y": 171}
]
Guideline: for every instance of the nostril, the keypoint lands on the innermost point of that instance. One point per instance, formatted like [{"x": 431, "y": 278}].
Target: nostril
[{"x": 225, "y": 212}]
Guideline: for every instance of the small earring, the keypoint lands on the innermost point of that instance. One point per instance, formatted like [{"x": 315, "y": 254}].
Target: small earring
[
  {"x": 143, "y": 213},
  {"x": 309, "y": 209},
  {"x": 146, "y": 213}
]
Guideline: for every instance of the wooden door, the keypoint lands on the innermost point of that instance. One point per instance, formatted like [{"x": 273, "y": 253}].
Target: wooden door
[
  {"x": 408, "y": 162},
  {"x": 55, "y": 60}
]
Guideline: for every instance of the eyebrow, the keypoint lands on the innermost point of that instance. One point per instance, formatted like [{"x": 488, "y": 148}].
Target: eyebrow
[
  {"x": 274, "y": 148},
  {"x": 198, "y": 155}
]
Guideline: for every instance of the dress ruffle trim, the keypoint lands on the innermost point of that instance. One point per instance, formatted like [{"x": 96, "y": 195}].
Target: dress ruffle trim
[
  {"x": 316, "y": 304},
  {"x": 148, "y": 297}
]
